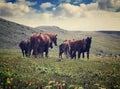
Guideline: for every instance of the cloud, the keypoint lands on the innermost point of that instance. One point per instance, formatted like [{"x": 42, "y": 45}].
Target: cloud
[
  {"x": 46, "y": 5},
  {"x": 20, "y": 8},
  {"x": 110, "y": 5},
  {"x": 68, "y": 10}
]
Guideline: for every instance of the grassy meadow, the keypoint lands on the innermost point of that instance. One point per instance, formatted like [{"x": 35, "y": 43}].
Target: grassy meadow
[{"x": 18, "y": 72}]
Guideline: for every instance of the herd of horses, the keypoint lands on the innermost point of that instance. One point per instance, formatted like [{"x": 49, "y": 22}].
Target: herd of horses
[{"x": 39, "y": 43}]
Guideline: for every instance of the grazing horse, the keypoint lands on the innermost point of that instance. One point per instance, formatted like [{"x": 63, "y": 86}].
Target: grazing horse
[
  {"x": 41, "y": 42},
  {"x": 24, "y": 46},
  {"x": 87, "y": 48},
  {"x": 76, "y": 46}
]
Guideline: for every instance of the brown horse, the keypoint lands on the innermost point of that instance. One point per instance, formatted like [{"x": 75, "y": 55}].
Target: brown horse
[
  {"x": 41, "y": 42},
  {"x": 76, "y": 46},
  {"x": 53, "y": 38},
  {"x": 41, "y": 50},
  {"x": 24, "y": 46}
]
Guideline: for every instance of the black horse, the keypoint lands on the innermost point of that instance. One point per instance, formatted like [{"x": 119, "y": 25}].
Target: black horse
[
  {"x": 87, "y": 48},
  {"x": 24, "y": 46}
]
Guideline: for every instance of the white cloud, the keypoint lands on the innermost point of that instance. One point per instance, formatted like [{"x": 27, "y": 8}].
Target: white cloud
[
  {"x": 25, "y": 2},
  {"x": 46, "y": 5},
  {"x": 15, "y": 9},
  {"x": 68, "y": 10}
]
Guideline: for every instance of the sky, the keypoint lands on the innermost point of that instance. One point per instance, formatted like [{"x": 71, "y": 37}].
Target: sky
[{"x": 80, "y": 15}]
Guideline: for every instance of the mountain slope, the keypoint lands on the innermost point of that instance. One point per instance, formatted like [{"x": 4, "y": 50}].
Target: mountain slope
[
  {"x": 105, "y": 42},
  {"x": 12, "y": 33}
]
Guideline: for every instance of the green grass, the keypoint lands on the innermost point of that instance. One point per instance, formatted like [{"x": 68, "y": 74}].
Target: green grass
[{"x": 30, "y": 73}]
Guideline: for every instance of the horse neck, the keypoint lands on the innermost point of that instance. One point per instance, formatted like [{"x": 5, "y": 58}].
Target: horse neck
[{"x": 88, "y": 46}]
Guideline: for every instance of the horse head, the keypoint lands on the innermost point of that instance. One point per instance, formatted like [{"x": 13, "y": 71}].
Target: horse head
[
  {"x": 88, "y": 40},
  {"x": 51, "y": 45},
  {"x": 54, "y": 39}
]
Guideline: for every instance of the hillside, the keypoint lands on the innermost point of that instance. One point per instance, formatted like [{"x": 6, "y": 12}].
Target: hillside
[
  {"x": 104, "y": 42},
  {"x": 12, "y": 33}
]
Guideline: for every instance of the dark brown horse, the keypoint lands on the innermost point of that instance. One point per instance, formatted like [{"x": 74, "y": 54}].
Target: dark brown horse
[
  {"x": 24, "y": 46},
  {"x": 41, "y": 50},
  {"x": 53, "y": 38},
  {"x": 76, "y": 46},
  {"x": 41, "y": 42},
  {"x": 87, "y": 48}
]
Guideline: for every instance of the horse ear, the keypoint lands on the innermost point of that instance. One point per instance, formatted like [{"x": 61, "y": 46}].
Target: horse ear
[{"x": 56, "y": 35}]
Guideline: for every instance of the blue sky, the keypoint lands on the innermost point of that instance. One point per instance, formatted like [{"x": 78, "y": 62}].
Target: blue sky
[
  {"x": 54, "y": 2},
  {"x": 68, "y": 14}
]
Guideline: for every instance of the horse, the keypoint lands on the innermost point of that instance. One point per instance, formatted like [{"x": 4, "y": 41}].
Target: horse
[
  {"x": 76, "y": 46},
  {"x": 41, "y": 42},
  {"x": 53, "y": 38},
  {"x": 64, "y": 48},
  {"x": 41, "y": 50},
  {"x": 24, "y": 46},
  {"x": 87, "y": 48}
]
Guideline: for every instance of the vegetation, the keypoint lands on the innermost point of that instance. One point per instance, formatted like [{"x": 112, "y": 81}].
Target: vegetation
[{"x": 29, "y": 73}]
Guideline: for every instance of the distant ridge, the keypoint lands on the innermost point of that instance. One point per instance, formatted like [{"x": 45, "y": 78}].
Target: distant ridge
[{"x": 111, "y": 32}]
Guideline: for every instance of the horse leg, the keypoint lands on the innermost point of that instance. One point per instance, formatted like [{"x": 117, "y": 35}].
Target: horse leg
[
  {"x": 88, "y": 55},
  {"x": 74, "y": 54},
  {"x": 23, "y": 52},
  {"x": 41, "y": 50},
  {"x": 83, "y": 55},
  {"x": 79, "y": 54},
  {"x": 46, "y": 52},
  {"x": 35, "y": 52},
  {"x": 60, "y": 54},
  {"x": 29, "y": 52},
  {"x": 26, "y": 53},
  {"x": 71, "y": 55},
  {"x": 66, "y": 54}
]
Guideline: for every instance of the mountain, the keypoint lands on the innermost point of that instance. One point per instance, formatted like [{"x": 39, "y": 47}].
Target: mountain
[
  {"x": 12, "y": 33},
  {"x": 103, "y": 42}
]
